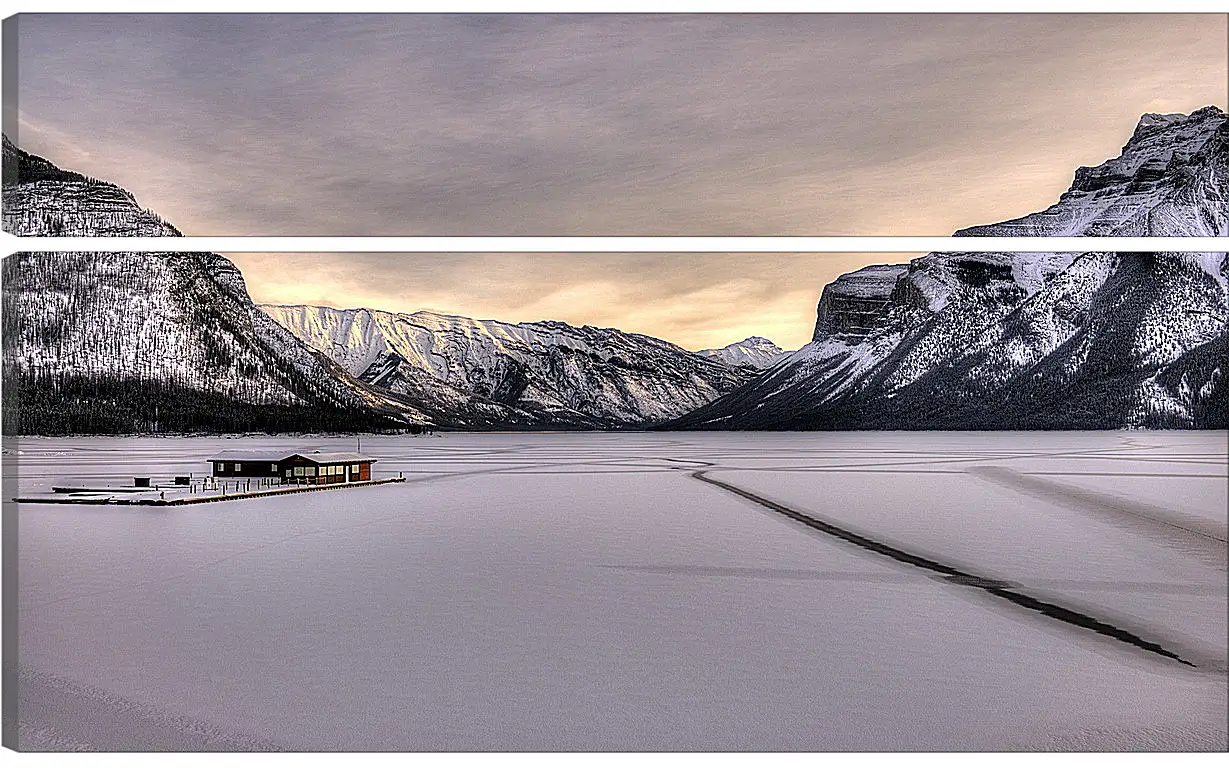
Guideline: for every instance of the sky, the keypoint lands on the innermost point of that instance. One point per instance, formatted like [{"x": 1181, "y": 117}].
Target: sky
[
  {"x": 730, "y": 124},
  {"x": 696, "y": 300},
  {"x": 521, "y": 124}
]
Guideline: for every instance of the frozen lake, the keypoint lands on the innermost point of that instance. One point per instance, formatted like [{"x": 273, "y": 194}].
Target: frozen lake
[{"x": 599, "y": 592}]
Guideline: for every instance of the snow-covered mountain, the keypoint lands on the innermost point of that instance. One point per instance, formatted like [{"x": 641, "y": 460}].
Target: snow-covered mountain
[
  {"x": 41, "y": 199},
  {"x": 122, "y": 342},
  {"x": 754, "y": 353},
  {"x": 472, "y": 373},
  {"x": 172, "y": 341},
  {"x": 1171, "y": 178},
  {"x": 169, "y": 341},
  {"x": 1038, "y": 340}
]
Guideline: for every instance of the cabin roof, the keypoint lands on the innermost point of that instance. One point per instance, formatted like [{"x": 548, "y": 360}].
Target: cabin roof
[
  {"x": 339, "y": 457},
  {"x": 248, "y": 456},
  {"x": 318, "y": 457}
]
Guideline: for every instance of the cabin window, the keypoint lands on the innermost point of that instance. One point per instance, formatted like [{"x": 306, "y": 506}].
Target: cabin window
[
  {"x": 300, "y": 471},
  {"x": 217, "y": 466},
  {"x": 238, "y": 466},
  {"x": 354, "y": 468},
  {"x": 311, "y": 471},
  {"x": 273, "y": 468},
  {"x": 289, "y": 472}
]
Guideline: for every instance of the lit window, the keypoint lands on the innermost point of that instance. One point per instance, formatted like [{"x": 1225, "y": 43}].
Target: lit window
[
  {"x": 300, "y": 471},
  {"x": 238, "y": 466},
  {"x": 273, "y": 468},
  {"x": 354, "y": 467},
  {"x": 311, "y": 471},
  {"x": 218, "y": 466}
]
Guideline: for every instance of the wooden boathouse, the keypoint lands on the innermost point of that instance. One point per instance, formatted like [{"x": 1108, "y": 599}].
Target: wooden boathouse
[{"x": 298, "y": 468}]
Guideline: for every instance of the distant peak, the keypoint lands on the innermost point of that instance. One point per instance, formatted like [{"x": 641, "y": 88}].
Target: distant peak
[
  {"x": 748, "y": 343},
  {"x": 754, "y": 352},
  {"x": 1151, "y": 122},
  {"x": 1155, "y": 118}
]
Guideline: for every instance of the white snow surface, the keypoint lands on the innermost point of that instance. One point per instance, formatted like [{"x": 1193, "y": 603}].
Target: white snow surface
[{"x": 585, "y": 591}]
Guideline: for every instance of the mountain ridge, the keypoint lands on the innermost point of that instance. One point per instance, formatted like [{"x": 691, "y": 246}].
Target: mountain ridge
[
  {"x": 1170, "y": 176},
  {"x": 948, "y": 341},
  {"x": 1036, "y": 340},
  {"x": 545, "y": 373},
  {"x": 105, "y": 343}
]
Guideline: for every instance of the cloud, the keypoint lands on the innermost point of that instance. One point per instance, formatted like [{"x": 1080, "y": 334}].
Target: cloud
[
  {"x": 521, "y": 124},
  {"x": 356, "y": 124}
]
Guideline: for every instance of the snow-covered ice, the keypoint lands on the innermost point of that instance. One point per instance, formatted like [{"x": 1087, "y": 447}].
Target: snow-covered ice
[{"x": 585, "y": 591}]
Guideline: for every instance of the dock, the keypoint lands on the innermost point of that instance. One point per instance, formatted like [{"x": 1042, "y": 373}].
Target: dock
[{"x": 96, "y": 495}]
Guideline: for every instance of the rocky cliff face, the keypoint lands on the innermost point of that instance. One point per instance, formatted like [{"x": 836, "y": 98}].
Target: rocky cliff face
[
  {"x": 1030, "y": 341},
  {"x": 851, "y": 305},
  {"x": 470, "y": 373}
]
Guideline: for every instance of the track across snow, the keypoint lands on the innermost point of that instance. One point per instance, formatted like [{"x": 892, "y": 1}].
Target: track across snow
[{"x": 955, "y": 575}]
